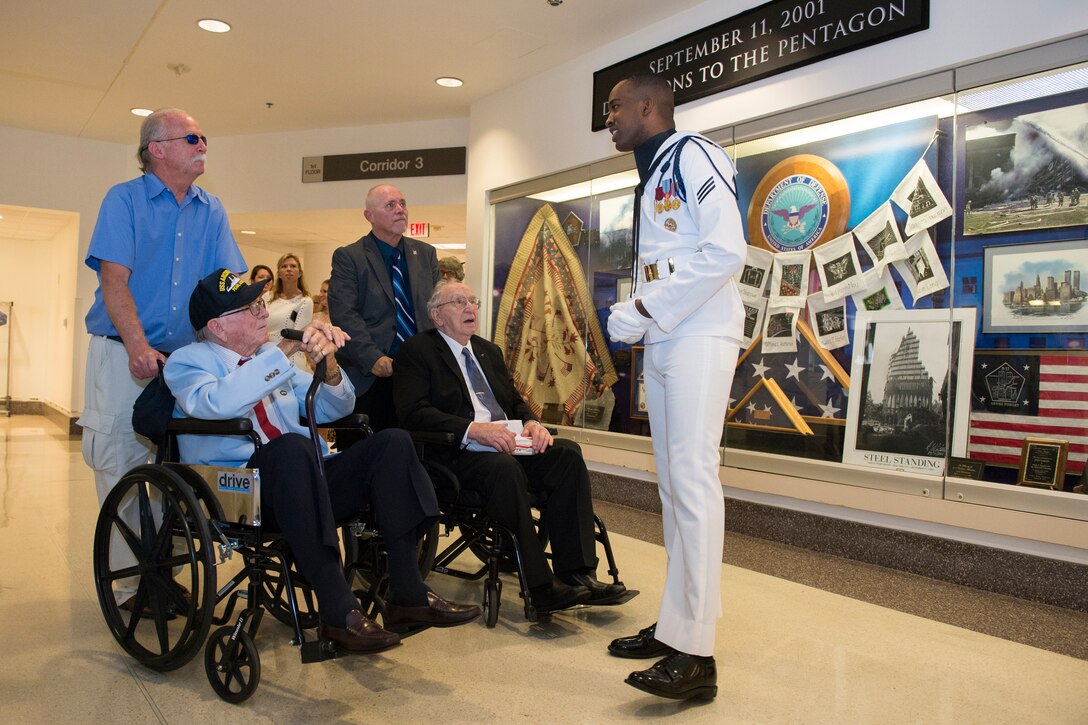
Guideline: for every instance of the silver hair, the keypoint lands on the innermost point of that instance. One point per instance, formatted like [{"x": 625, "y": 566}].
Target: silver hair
[
  {"x": 433, "y": 302},
  {"x": 152, "y": 130}
]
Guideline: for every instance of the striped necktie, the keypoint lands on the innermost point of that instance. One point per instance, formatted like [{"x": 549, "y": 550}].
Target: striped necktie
[
  {"x": 406, "y": 326},
  {"x": 478, "y": 384},
  {"x": 268, "y": 430}
]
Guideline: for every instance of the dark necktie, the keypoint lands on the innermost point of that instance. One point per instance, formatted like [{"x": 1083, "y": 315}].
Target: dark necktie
[
  {"x": 480, "y": 387},
  {"x": 406, "y": 326}
]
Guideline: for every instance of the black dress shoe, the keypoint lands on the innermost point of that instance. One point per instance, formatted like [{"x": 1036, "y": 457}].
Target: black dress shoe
[
  {"x": 360, "y": 635},
  {"x": 599, "y": 592},
  {"x": 641, "y": 646},
  {"x": 437, "y": 612},
  {"x": 679, "y": 677},
  {"x": 556, "y": 596}
]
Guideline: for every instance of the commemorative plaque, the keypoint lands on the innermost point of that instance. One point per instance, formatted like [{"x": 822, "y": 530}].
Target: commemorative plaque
[{"x": 1042, "y": 463}]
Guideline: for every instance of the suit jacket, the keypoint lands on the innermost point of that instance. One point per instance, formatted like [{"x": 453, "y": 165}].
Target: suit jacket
[
  {"x": 361, "y": 301},
  {"x": 431, "y": 394},
  {"x": 208, "y": 383}
]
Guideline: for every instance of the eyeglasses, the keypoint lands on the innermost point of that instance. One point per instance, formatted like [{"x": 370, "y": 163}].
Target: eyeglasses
[
  {"x": 192, "y": 138},
  {"x": 461, "y": 302},
  {"x": 253, "y": 307}
]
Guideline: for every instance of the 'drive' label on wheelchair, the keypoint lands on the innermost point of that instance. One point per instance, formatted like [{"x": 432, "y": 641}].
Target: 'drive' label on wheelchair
[{"x": 235, "y": 481}]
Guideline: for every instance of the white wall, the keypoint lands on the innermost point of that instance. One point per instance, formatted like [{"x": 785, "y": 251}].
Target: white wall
[
  {"x": 249, "y": 173},
  {"x": 511, "y": 140}
]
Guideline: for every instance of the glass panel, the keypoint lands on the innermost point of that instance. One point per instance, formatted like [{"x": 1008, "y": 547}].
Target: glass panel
[{"x": 1020, "y": 258}]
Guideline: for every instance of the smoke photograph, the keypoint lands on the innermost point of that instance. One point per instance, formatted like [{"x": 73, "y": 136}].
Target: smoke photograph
[{"x": 1027, "y": 172}]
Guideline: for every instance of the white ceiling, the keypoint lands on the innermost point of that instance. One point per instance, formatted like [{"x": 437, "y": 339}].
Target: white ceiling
[{"x": 76, "y": 67}]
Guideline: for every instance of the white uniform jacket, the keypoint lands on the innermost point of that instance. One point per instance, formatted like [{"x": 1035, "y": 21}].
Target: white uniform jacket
[
  {"x": 208, "y": 383},
  {"x": 683, "y": 216}
]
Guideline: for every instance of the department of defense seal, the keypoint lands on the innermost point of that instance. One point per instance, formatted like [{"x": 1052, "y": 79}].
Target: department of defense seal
[{"x": 800, "y": 203}]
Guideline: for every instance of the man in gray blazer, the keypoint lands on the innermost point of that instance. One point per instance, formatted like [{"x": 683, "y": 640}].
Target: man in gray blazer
[{"x": 378, "y": 295}]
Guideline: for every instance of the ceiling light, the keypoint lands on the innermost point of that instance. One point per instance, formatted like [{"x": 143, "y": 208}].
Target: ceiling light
[
  {"x": 247, "y": 231},
  {"x": 141, "y": 112},
  {"x": 213, "y": 26},
  {"x": 449, "y": 82}
]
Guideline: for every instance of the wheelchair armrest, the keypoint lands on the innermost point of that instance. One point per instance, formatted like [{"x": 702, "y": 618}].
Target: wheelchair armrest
[
  {"x": 355, "y": 420},
  {"x": 441, "y": 439},
  {"x": 199, "y": 426}
]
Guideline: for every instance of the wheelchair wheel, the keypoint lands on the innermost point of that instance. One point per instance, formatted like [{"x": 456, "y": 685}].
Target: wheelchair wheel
[
  {"x": 232, "y": 665},
  {"x": 492, "y": 596},
  {"x": 275, "y": 591},
  {"x": 366, "y": 564},
  {"x": 173, "y": 551},
  {"x": 482, "y": 546}
]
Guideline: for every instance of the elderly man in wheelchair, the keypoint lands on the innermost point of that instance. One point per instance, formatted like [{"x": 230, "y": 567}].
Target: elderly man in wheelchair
[{"x": 233, "y": 371}]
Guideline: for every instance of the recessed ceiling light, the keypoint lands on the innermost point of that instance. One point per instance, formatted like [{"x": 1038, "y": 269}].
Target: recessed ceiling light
[
  {"x": 247, "y": 231},
  {"x": 449, "y": 82},
  {"x": 142, "y": 112},
  {"x": 213, "y": 26}
]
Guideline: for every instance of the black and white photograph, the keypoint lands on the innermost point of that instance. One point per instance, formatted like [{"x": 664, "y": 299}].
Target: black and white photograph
[
  {"x": 920, "y": 197},
  {"x": 752, "y": 280},
  {"x": 828, "y": 319},
  {"x": 1036, "y": 287},
  {"x": 753, "y": 321},
  {"x": 908, "y": 363},
  {"x": 1027, "y": 171},
  {"x": 880, "y": 237},
  {"x": 922, "y": 270},
  {"x": 839, "y": 268}
]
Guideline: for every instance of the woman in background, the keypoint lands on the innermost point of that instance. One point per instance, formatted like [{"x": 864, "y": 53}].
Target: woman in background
[
  {"x": 321, "y": 303},
  {"x": 290, "y": 306},
  {"x": 260, "y": 274}
]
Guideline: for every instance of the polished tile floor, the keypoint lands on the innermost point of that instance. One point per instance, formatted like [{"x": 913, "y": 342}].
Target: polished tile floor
[{"x": 787, "y": 652}]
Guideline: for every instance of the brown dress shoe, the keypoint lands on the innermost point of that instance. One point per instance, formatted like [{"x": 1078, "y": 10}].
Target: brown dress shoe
[
  {"x": 361, "y": 635},
  {"x": 437, "y": 612},
  {"x": 129, "y": 605}
]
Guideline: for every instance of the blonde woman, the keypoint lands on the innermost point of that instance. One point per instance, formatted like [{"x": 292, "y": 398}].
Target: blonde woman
[{"x": 290, "y": 305}]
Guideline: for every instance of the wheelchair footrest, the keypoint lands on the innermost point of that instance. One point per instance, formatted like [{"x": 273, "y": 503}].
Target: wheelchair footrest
[
  {"x": 318, "y": 651},
  {"x": 621, "y": 599}
]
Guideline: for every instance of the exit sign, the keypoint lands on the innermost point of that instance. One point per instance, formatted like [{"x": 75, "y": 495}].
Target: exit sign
[{"x": 419, "y": 230}]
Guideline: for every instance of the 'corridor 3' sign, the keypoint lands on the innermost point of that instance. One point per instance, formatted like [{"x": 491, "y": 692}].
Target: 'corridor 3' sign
[{"x": 384, "y": 165}]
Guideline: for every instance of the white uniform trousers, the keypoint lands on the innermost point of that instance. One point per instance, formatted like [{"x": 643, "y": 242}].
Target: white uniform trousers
[
  {"x": 688, "y": 380},
  {"x": 110, "y": 446}
]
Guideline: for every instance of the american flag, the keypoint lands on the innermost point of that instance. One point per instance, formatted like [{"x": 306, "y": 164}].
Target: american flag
[{"x": 1020, "y": 396}]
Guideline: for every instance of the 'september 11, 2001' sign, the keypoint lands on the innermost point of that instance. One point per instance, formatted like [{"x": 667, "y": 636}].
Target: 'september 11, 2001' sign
[{"x": 770, "y": 39}]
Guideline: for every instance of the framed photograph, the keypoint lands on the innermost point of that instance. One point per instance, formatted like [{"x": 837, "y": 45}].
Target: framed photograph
[
  {"x": 1036, "y": 288},
  {"x": 639, "y": 410},
  {"x": 912, "y": 374},
  {"x": 1009, "y": 185}
]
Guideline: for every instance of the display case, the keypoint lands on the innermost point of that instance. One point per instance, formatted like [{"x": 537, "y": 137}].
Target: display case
[{"x": 914, "y": 293}]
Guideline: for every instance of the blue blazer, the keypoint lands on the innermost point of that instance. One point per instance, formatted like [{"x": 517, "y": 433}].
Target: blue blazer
[{"x": 207, "y": 382}]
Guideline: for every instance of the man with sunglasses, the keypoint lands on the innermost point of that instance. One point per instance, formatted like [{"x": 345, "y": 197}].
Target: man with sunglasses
[
  {"x": 450, "y": 380},
  {"x": 155, "y": 238}
]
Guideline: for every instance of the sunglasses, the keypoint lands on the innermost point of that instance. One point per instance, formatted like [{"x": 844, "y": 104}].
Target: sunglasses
[{"x": 191, "y": 138}]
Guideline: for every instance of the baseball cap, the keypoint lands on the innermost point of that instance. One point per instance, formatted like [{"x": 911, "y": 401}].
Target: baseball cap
[{"x": 219, "y": 292}]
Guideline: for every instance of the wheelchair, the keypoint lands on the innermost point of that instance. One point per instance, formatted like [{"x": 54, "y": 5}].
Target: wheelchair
[
  {"x": 491, "y": 542},
  {"x": 192, "y": 520}
]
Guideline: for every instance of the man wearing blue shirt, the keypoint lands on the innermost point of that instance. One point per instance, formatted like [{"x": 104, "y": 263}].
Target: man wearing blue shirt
[{"x": 156, "y": 237}]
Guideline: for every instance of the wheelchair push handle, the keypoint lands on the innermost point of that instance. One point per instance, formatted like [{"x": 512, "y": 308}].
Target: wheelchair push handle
[{"x": 311, "y": 394}]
